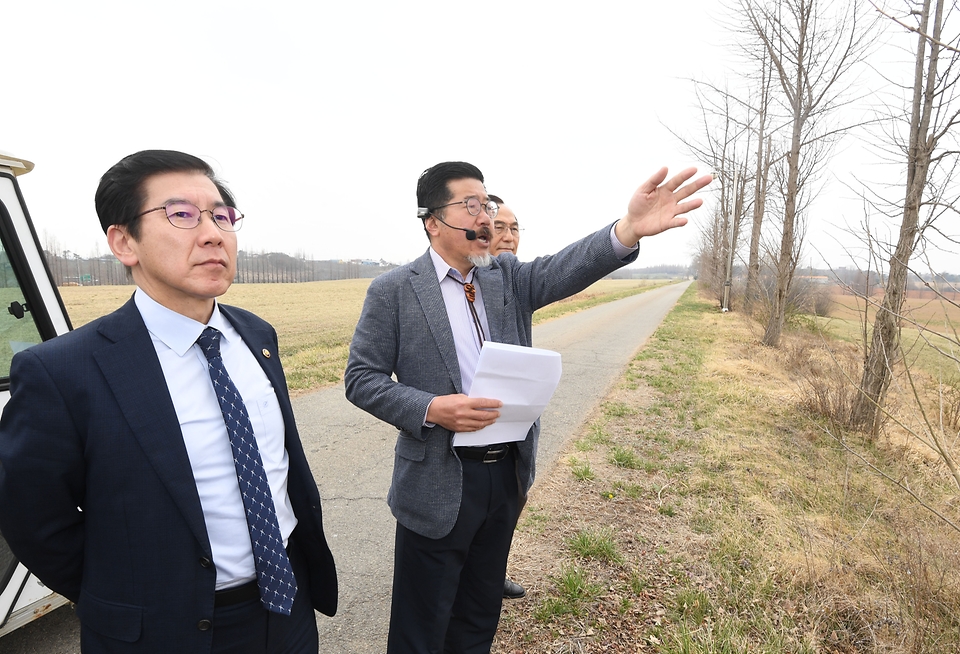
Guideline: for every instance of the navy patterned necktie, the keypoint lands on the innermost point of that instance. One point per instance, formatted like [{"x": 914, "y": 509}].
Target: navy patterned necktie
[{"x": 274, "y": 574}]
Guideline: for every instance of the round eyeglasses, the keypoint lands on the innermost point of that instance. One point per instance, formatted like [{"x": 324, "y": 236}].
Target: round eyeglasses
[
  {"x": 474, "y": 206},
  {"x": 186, "y": 215}
]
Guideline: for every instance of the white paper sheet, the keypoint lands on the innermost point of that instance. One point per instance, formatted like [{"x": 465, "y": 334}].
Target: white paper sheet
[{"x": 523, "y": 378}]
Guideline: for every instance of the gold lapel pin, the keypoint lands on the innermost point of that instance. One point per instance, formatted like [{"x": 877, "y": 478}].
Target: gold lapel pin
[{"x": 266, "y": 352}]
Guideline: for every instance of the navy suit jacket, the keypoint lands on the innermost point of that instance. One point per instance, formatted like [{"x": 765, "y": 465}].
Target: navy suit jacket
[
  {"x": 403, "y": 355},
  {"x": 97, "y": 496}
]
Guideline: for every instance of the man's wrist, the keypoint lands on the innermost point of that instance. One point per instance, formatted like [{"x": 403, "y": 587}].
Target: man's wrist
[{"x": 622, "y": 251}]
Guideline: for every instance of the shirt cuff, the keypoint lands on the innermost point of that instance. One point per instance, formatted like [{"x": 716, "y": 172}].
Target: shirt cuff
[
  {"x": 428, "y": 425},
  {"x": 619, "y": 249}
]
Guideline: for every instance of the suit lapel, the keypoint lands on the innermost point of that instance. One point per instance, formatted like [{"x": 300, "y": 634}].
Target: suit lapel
[
  {"x": 132, "y": 371},
  {"x": 427, "y": 288}
]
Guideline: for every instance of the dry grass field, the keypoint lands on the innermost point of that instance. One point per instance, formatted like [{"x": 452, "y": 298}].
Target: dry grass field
[
  {"x": 929, "y": 314},
  {"x": 923, "y": 322},
  {"x": 706, "y": 509},
  {"x": 315, "y": 320}
]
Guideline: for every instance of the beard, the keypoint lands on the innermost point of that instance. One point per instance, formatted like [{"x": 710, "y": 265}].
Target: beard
[{"x": 480, "y": 260}]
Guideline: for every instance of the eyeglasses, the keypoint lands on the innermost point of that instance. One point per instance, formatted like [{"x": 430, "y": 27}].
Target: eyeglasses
[
  {"x": 474, "y": 207},
  {"x": 500, "y": 228},
  {"x": 185, "y": 215}
]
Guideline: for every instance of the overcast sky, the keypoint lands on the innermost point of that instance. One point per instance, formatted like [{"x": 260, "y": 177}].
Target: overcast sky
[{"x": 321, "y": 116}]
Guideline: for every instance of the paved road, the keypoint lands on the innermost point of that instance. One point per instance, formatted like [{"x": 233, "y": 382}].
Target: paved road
[{"x": 351, "y": 455}]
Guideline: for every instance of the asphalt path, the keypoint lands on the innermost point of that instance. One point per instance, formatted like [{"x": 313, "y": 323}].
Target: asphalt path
[{"x": 351, "y": 455}]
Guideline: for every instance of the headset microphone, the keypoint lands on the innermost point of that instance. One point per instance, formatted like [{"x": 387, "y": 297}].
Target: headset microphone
[{"x": 423, "y": 212}]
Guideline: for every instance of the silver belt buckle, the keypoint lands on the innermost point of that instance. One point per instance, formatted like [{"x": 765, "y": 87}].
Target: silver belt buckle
[{"x": 492, "y": 456}]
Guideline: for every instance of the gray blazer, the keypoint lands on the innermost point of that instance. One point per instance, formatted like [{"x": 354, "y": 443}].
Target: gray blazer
[{"x": 404, "y": 332}]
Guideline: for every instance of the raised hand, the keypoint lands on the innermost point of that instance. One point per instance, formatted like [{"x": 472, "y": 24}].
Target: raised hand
[{"x": 658, "y": 206}]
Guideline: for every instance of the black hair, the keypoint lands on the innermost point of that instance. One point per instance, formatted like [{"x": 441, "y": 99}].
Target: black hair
[
  {"x": 432, "y": 187},
  {"x": 120, "y": 195}
]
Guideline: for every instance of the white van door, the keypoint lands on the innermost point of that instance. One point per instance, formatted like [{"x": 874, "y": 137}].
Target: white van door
[{"x": 31, "y": 311}]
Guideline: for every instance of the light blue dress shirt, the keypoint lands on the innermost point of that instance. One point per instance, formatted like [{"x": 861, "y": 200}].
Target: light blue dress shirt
[{"x": 205, "y": 435}]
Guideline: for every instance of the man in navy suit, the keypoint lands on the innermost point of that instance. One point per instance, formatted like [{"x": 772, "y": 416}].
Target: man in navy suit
[
  {"x": 118, "y": 482},
  {"x": 411, "y": 364}
]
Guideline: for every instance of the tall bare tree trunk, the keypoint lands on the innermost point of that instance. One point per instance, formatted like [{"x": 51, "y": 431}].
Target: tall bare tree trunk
[
  {"x": 760, "y": 186},
  {"x": 885, "y": 343},
  {"x": 786, "y": 263},
  {"x": 759, "y": 205}
]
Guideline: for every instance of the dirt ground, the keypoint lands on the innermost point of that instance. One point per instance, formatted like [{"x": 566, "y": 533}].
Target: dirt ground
[{"x": 624, "y": 601}]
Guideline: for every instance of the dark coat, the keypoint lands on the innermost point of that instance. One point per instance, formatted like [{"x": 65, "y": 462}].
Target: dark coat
[{"x": 97, "y": 496}]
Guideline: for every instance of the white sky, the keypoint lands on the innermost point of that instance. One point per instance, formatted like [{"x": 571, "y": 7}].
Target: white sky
[{"x": 320, "y": 116}]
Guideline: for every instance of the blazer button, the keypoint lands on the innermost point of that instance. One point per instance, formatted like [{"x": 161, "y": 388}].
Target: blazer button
[
  {"x": 205, "y": 562},
  {"x": 204, "y": 625}
]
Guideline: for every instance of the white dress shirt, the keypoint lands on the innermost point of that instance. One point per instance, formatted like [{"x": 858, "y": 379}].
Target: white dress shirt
[
  {"x": 205, "y": 434},
  {"x": 461, "y": 320}
]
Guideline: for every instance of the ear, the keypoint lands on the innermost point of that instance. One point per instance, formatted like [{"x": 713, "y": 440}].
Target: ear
[
  {"x": 123, "y": 246},
  {"x": 432, "y": 225}
]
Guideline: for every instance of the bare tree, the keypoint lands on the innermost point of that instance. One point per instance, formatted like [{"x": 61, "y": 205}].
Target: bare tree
[
  {"x": 762, "y": 165},
  {"x": 724, "y": 145},
  {"x": 732, "y": 122},
  {"x": 931, "y": 119},
  {"x": 811, "y": 45}
]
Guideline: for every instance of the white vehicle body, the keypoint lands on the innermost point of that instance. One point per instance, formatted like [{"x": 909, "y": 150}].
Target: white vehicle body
[{"x": 31, "y": 311}]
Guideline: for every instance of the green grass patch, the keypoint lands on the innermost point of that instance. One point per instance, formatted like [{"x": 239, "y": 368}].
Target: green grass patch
[
  {"x": 617, "y": 409},
  {"x": 571, "y": 590},
  {"x": 623, "y": 457},
  {"x": 629, "y": 489},
  {"x": 595, "y": 544},
  {"x": 597, "y": 435},
  {"x": 581, "y": 470}
]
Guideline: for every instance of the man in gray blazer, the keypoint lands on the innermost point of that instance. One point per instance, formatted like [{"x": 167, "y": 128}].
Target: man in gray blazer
[{"x": 411, "y": 364}]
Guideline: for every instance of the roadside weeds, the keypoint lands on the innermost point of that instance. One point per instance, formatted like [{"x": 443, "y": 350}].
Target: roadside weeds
[{"x": 703, "y": 510}]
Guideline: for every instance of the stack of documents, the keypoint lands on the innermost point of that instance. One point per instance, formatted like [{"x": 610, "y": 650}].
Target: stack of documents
[{"x": 524, "y": 379}]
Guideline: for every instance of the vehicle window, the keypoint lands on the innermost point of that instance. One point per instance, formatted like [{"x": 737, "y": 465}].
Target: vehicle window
[{"x": 18, "y": 330}]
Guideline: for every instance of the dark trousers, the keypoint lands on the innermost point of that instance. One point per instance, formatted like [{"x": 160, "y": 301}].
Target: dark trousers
[
  {"x": 248, "y": 628},
  {"x": 447, "y": 592}
]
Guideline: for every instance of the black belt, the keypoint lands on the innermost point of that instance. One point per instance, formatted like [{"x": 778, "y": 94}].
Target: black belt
[
  {"x": 237, "y": 594},
  {"x": 486, "y": 454}
]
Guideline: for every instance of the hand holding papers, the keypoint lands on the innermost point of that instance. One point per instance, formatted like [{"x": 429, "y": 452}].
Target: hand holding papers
[{"x": 523, "y": 378}]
